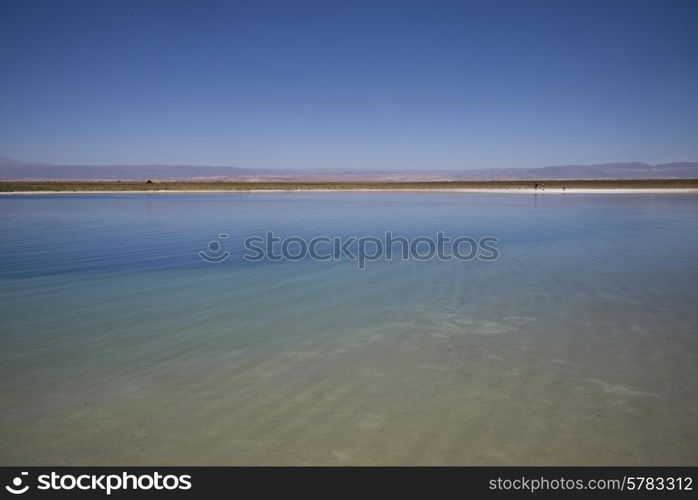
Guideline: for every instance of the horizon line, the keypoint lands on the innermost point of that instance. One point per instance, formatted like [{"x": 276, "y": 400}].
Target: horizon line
[{"x": 364, "y": 169}]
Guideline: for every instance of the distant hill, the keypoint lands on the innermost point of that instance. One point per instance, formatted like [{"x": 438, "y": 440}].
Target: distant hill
[
  {"x": 679, "y": 170},
  {"x": 22, "y": 171}
]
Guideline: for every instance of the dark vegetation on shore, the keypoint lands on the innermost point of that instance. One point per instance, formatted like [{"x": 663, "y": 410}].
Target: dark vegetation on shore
[{"x": 154, "y": 185}]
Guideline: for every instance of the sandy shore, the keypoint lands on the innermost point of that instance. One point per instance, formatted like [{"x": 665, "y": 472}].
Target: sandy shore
[
  {"x": 500, "y": 186},
  {"x": 380, "y": 190}
]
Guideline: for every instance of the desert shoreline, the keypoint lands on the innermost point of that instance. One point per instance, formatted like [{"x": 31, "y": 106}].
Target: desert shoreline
[
  {"x": 397, "y": 190},
  {"x": 522, "y": 187}
]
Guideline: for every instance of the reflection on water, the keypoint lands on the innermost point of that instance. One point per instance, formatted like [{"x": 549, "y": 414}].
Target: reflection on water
[{"x": 118, "y": 345}]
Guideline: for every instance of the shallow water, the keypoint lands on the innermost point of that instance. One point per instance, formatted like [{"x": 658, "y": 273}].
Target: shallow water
[{"x": 119, "y": 345}]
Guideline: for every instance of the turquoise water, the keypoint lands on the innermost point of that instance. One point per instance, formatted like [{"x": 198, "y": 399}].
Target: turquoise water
[{"x": 119, "y": 345}]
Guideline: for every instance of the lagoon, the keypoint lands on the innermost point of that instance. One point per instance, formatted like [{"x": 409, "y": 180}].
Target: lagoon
[{"x": 120, "y": 345}]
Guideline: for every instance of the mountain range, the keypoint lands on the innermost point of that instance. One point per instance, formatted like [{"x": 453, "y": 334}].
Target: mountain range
[{"x": 13, "y": 170}]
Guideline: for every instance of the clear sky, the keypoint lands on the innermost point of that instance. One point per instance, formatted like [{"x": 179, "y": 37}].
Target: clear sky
[{"x": 374, "y": 84}]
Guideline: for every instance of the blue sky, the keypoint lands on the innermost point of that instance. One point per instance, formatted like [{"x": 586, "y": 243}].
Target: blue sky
[{"x": 375, "y": 84}]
